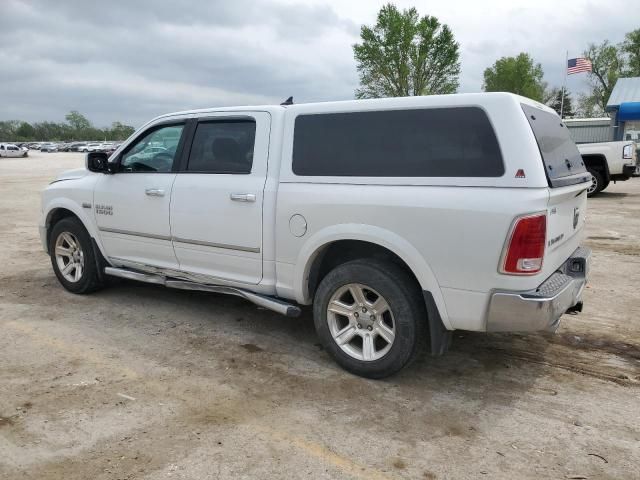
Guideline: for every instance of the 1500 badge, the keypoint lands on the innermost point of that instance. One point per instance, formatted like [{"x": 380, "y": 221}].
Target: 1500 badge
[
  {"x": 104, "y": 210},
  {"x": 555, "y": 240}
]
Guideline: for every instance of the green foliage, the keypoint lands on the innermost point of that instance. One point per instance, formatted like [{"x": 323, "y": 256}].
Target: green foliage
[
  {"x": 555, "y": 102},
  {"x": 588, "y": 107},
  {"x": 77, "y": 128},
  {"x": 25, "y": 130},
  {"x": 516, "y": 75},
  {"x": 404, "y": 54},
  {"x": 119, "y": 131},
  {"x": 8, "y": 129},
  {"x": 608, "y": 64},
  {"x": 77, "y": 121},
  {"x": 631, "y": 48}
]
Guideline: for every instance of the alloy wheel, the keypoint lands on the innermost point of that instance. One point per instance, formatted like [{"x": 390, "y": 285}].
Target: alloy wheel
[
  {"x": 69, "y": 257},
  {"x": 594, "y": 185},
  {"x": 361, "y": 322}
]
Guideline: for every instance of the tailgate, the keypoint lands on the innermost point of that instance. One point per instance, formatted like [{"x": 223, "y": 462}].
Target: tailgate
[{"x": 566, "y": 215}]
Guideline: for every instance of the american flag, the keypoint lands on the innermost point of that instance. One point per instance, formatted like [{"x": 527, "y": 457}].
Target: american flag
[{"x": 577, "y": 65}]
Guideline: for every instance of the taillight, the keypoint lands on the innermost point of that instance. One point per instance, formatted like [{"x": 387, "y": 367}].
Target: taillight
[{"x": 525, "y": 247}]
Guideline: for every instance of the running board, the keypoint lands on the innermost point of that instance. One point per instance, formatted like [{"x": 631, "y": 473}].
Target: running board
[{"x": 270, "y": 303}]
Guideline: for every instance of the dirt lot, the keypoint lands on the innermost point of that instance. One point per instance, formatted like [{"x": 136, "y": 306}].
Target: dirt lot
[{"x": 142, "y": 382}]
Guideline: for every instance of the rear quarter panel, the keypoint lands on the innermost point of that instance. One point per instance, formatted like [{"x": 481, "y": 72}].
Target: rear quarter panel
[{"x": 451, "y": 237}]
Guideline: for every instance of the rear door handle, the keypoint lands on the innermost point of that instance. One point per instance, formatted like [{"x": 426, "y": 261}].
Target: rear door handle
[
  {"x": 243, "y": 197},
  {"x": 154, "y": 192}
]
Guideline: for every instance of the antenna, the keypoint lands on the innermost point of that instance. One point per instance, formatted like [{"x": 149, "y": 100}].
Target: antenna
[{"x": 288, "y": 101}]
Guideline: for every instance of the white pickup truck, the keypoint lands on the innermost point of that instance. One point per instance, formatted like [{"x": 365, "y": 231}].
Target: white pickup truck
[
  {"x": 12, "y": 151},
  {"x": 609, "y": 161},
  {"x": 399, "y": 219}
]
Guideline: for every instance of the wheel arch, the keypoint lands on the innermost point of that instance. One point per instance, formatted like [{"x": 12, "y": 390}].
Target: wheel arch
[
  {"x": 597, "y": 162},
  {"x": 341, "y": 243},
  {"x": 65, "y": 208}
]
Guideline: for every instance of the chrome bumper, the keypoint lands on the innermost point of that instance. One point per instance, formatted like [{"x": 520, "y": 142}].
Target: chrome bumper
[{"x": 541, "y": 309}]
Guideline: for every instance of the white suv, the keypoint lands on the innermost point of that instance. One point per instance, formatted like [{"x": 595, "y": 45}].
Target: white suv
[{"x": 399, "y": 219}]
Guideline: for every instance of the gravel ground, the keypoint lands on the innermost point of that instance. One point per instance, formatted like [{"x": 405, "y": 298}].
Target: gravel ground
[{"x": 137, "y": 381}]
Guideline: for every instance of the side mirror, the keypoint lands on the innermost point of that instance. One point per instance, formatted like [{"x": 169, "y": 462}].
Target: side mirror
[{"x": 99, "y": 162}]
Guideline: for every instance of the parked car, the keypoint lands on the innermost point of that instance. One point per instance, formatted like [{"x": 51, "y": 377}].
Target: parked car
[
  {"x": 110, "y": 148},
  {"x": 399, "y": 219},
  {"x": 49, "y": 147},
  {"x": 91, "y": 147},
  {"x": 12, "y": 151},
  {"x": 76, "y": 146},
  {"x": 609, "y": 161},
  {"x": 64, "y": 147}
]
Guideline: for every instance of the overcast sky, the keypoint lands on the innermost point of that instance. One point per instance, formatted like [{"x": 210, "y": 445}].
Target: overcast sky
[{"x": 130, "y": 60}]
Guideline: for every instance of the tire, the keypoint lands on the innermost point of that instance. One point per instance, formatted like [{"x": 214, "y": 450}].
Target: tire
[
  {"x": 597, "y": 183},
  {"x": 84, "y": 277},
  {"x": 405, "y": 317}
]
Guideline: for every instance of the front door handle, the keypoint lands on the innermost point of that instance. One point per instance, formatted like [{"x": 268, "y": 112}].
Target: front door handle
[
  {"x": 154, "y": 192},
  {"x": 243, "y": 197}
]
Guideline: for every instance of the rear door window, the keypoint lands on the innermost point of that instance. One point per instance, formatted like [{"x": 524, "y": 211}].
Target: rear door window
[
  {"x": 434, "y": 142},
  {"x": 223, "y": 146},
  {"x": 562, "y": 160}
]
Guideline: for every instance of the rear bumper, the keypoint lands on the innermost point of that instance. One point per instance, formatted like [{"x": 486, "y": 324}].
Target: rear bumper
[{"x": 541, "y": 309}]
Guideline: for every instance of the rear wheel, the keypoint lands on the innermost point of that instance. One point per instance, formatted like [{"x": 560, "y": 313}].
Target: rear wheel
[
  {"x": 72, "y": 257},
  {"x": 370, "y": 316},
  {"x": 597, "y": 183}
]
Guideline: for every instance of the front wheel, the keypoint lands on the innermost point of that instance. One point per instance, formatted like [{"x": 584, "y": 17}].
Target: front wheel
[
  {"x": 597, "y": 183},
  {"x": 370, "y": 316},
  {"x": 72, "y": 257}
]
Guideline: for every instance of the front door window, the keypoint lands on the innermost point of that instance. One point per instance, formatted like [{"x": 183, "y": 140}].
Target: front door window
[{"x": 154, "y": 152}]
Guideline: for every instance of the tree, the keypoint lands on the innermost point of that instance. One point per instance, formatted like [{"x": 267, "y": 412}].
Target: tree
[
  {"x": 25, "y": 131},
  {"x": 588, "y": 108},
  {"x": 405, "y": 54},
  {"x": 120, "y": 131},
  {"x": 8, "y": 130},
  {"x": 516, "y": 75},
  {"x": 77, "y": 121},
  {"x": 631, "y": 48},
  {"x": 607, "y": 66},
  {"x": 557, "y": 104},
  {"x": 78, "y": 128}
]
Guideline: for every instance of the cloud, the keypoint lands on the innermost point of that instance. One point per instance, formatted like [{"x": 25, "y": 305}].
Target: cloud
[{"x": 132, "y": 60}]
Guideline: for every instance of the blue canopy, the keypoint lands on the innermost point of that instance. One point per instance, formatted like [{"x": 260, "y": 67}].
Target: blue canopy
[{"x": 629, "y": 111}]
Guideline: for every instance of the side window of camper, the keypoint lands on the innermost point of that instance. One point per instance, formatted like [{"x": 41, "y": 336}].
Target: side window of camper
[{"x": 434, "y": 142}]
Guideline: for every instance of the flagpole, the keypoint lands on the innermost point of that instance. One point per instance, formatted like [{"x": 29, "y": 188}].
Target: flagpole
[{"x": 564, "y": 85}]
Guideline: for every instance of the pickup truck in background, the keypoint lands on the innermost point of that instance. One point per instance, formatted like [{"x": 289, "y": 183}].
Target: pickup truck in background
[
  {"x": 399, "y": 219},
  {"x": 12, "y": 151},
  {"x": 609, "y": 161}
]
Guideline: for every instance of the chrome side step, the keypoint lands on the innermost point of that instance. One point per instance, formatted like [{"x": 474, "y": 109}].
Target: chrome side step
[{"x": 270, "y": 303}]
